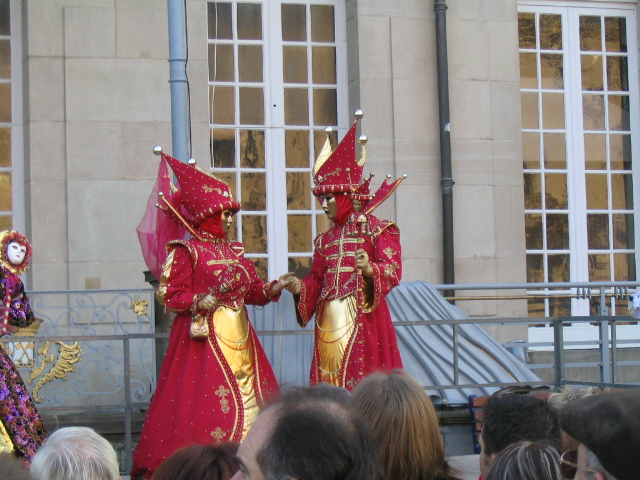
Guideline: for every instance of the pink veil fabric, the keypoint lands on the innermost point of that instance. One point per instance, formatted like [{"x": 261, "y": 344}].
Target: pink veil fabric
[{"x": 157, "y": 228}]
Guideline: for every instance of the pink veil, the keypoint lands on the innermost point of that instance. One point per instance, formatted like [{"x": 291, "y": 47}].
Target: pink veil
[{"x": 157, "y": 228}]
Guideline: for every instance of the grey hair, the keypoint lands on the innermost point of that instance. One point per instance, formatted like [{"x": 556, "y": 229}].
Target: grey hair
[
  {"x": 570, "y": 394},
  {"x": 75, "y": 453},
  {"x": 594, "y": 464},
  {"x": 526, "y": 461}
]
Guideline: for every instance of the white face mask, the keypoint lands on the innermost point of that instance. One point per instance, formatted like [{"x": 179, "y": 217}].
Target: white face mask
[{"x": 16, "y": 253}]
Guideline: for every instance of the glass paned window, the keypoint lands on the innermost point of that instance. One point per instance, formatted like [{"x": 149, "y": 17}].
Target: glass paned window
[
  {"x": 276, "y": 80},
  {"x": 578, "y": 105}
]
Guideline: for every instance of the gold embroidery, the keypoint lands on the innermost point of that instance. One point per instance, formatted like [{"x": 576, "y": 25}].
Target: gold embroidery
[
  {"x": 218, "y": 433},
  {"x": 208, "y": 189},
  {"x": 222, "y": 392},
  {"x": 334, "y": 173},
  {"x": 389, "y": 270},
  {"x": 222, "y": 262},
  {"x": 139, "y": 307},
  {"x": 389, "y": 252}
]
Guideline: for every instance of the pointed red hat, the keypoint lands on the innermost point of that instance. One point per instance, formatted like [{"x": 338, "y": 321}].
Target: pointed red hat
[
  {"x": 363, "y": 193},
  {"x": 201, "y": 194},
  {"x": 339, "y": 171}
]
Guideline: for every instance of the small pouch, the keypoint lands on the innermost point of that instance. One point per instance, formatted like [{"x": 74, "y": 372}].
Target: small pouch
[{"x": 199, "y": 328}]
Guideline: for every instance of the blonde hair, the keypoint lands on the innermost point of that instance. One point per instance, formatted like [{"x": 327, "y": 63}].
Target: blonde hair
[{"x": 405, "y": 426}]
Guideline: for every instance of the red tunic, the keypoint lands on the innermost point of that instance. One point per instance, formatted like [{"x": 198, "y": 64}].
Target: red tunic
[
  {"x": 370, "y": 339},
  {"x": 200, "y": 393}
]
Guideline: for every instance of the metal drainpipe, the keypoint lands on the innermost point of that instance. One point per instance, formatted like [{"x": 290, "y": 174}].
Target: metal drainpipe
[
  {"x": 446, "y": 179},
  {"x": 178, "y": 79}
]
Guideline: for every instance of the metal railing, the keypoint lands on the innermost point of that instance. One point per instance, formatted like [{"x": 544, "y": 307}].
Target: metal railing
[{"x": 103, "y": 349}]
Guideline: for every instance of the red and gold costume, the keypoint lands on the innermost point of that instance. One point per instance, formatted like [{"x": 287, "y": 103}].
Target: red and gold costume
[
  {"x": 354, "y": 334},
  {"x": 209, "y": 389}
]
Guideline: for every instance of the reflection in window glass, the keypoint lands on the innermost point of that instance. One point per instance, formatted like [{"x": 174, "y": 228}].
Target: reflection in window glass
[
  {"x": 325, "y": 103},
  {"x": 298, "y": 191},
  {"x": 531, "y": 150},
  {"x": 558, "y": 268},
  {"x": 593, "y": 112},
  {"x": 595, "y": 151},
  {"x": 297, "y": 149},
  {"x": 592, "y": 78},
  {"x": 553, "y": 111},
  {"x": 619, "y": 115},
  {"x": 624, "y": 266},
  {"x": 6, "y": 222},
  {"x": 223, "y": 100},
  {"x": 6, "y": 202},
  {"x": 324, "y": 65},
  {"x": 299, "y": 233},
  {"x": 250, "y": 63},
  {"x": 615, "y": 34},
  {"x": 528, "y": 70},
  {"x": 599, "y": 268},
  {"x": 532, "y": 191},
  {"x": 5, "y": 147},
  {"x": 590, "y": 34},
  {"x": 254, "y": 233},
  {"x": 623, "y": 226},
  {"x": 249, "y": 21},
  {"x": 221, "y": 63},
  {"x": 598, "y": 231},
  {"x": 529, "y": 103},
  {"x": 300, "y": 266},
  {"x": 296, "y": 106},
  {"x": 555, "y": 150},
  {"x": 252, "y": 153},
  {"x": 294, "y": 64},
  {"x": 533, "y": 231},
  {"x": 556, "y": 195},
  {"x": 622, "y": 192},
  {"x": 5, "y": 59},
  {"x": 557, "y": 231},
  {"x": 620, "y": 151},
  {"x": 550, "y": 32},
  {"x": 223, "y": 148},
  {"x": 230, "y": 179},
  {"x": 527, "y": 30},
  {"x": 322, "y": 23},
  {"x": 597, "y": 191},
  {"x": 262, "y": 267},
  {"x": 254, "y": 191},
  {"x": 552, "y": 71},
  {"x": 617, "y": 74},
  {"x": 535, "y": 268},
  {"x": 219, "y": 21},
  {"x": 251, "y": 106},
  {"x": 294, "y": 23}
]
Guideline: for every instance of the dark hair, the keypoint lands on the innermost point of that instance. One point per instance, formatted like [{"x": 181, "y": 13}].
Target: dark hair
[
  {"x": 200, "y": 462},
  {"x": 515, "y": 418},
  {"x": 526, "y": 461},
  {"x": 317, "y": 434}
]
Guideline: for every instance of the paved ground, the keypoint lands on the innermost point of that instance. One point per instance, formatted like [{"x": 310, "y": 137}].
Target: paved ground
[{"x": 467, "y": 465}]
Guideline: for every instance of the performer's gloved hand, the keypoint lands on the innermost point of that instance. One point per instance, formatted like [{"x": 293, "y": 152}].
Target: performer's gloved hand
[
  {"x": 362, "y": 262},
  {"x": 283, "y": 282},
  {"x": 294, "y": 285},
  {"x": 208, "y": 302}
]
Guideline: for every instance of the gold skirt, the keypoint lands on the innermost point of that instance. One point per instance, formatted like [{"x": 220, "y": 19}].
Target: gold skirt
[
  {"x": 336, "y": 322},
  {"x": 231, "y": 328}
]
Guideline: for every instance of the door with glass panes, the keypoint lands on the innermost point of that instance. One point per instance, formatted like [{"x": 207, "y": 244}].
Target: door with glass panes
[
  {"x": 277, "y": 78},
  {"x": 579, "y": 90}
]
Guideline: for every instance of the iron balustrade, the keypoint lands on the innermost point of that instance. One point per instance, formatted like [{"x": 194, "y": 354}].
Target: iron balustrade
[{"x": 115, "y": 368}]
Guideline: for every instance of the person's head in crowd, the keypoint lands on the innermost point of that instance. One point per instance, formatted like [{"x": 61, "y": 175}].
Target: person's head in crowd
[
  {"x": 12, "y": 468},
  {"x": 568, "y": 394},
  {"x": 526, "y": 461},
  {"x": 310, "y": 433},
  {"x": 200, "y": 462},
  {"x": 514, "y": 418},
  {"x": 75, "y": 453},
  {"x": 405, "y": 426},
  {"x": 607, "y": 426}
]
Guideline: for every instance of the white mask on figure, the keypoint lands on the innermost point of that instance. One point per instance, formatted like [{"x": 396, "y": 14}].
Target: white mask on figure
[{"x": 16, "y": 253}]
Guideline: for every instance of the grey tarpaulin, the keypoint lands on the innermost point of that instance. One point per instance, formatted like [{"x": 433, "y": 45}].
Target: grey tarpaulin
[{"x": 426, "y": 350}]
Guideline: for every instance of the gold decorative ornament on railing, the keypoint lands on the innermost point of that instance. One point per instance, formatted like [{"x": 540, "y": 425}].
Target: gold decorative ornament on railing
[
  {"x": 139, "y": 307},
  {"x": 68, "y": 355}
]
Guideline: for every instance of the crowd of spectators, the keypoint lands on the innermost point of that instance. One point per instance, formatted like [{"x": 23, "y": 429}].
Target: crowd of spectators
[{"x": 387, "y": 428}]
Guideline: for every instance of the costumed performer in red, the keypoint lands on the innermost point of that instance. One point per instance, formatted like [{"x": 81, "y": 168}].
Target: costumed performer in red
[
  {"x": 355, "y": 265},
  {"x": 21, "y": 428},
  {"x": 215, "y": 376}
]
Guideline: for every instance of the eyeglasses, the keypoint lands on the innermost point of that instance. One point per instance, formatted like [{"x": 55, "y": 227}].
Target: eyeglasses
[{"x": 569, "y": 467}]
